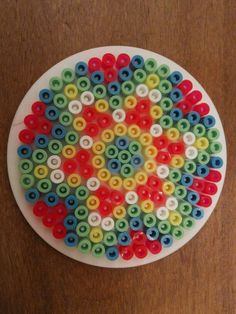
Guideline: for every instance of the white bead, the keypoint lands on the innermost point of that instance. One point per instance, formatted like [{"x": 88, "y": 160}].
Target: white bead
[
  {"x": 189, "y": 138},
  {"x": 87, "y": 98},
  {"x": 54, "y": 162},
  {"x": 156, "y": 130},
  {"x": 154, "y": 96},
  {"x": 163, "y": 171},
  {"x": 141, "y": 90},
  {"x": 86, "y": 142},
  {"x": 75, "y": 106},
  {"x": 57, "y": 176},
  {"x": 107, "y": 224},
  {"x": 131, "y": 197},
  {"x": 93, "y": 184},
  {"x": 118, "y": 115},
  {"x": 162, "y": 213},
  {"x": 191, "y": 152},
  {"x": 94, "y": 219},
  {"x": 171, "y": 203}
]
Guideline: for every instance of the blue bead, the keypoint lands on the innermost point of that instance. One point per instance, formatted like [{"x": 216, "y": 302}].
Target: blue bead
[
  {"x": 32, "y": 195},
  {"x": 113, "y": 88},
  {"x": 58, "y": 131},
  {"x": 124, "y": 238},
  {"x": 176, "y": 114},
  {"x": 24, "y": 151},
  {"x": 114, "y": 165},
  {"x": 186, "y": 180},
  {"x": 125, "y": 74},
  {"x": 51, "y": 199},
  {"x": 81, "y": 68},
  {"x": 216, "y": 162},
  {"x": 70, "y": 222},
  {"x": 135, "y": 223},
  {"x": 166, "y": 240},
  {"x": 46, "y": 96},
  {"x": 137, "y": 161},
  {"x": 193, "y": 117},
  {"x": 202, "y": 171},
  {"x": 71, "y": 239},
  {"x": 197, "y": 213},
  {"x": 175, "y": 78},
  {"x": 137, "y": 62},
  {"x": 52, "y": 113},
  {"x": 209, "y": 121},
  {"x": 176, "y": 95},
  {"x": 71, "y": 202},
  {"x": 112, "y": 253},
  {"x": 122, "y": 142},
  {"x": 97, "y": 77},
  {"x": 152, "y": 233},
  {"x": 41, "y": 141},
  {"x": 193, "y": 197}
]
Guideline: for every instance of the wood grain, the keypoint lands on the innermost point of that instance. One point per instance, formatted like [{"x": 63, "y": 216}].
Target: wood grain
[{"x": 199, "y": 35}]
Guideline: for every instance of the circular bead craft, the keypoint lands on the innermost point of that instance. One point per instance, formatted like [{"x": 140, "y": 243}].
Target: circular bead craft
[{"x": 116, "y": 156}]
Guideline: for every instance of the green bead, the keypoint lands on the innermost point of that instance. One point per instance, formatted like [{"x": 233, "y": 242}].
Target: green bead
[
  {"x": 115, "y": 102},
  {"x": 127, "y": 88},
  {"x": 82, "y": 193},
  {"x": 134, "y": 210},
  {"x": 122, "y": 225},
  {"x": 134, "y": 147},
  {"x": 177, "y": 232},
  {"x": 44, "y": 185},
  {"x": 164, "y": 226},
  {"x": 203, "y": 158},
  {"x": 25, "y": 166},
  {"x": 166, "y": 104},
  {"x": 72, "y": 138},
  {"x": 111, "y": 151},
  {"x": 199, "y": 130},
  {"x": 149, "y": 220},
  {"x": 126, "y": 170},
  {"x": 56, "y": 84},
  {"x": 55, "y": 147},
  {"x": 60, "y": 101},
  {"x": 99, "y": 91},
  {"x": 166, "y": 122},
  {"x": 185, "y": 208},
  {"x": 165, "y": 87},
  {"x": 83, "y": 229},
  {"x": 124, "y": 156},
  {"x": 175, "y": 175},
  {"x": 66, "y": 118},
  {"x": 84, "y": 246},
  {"x": 215, "y": 147},
  {"x": 110, "y": 238},
  {"x": 98, "y": 250},
  {"x": 139, "y": 76},
  {"x": 163, "y": 71},
  {"x": 183, "y": 125},
  {"x": 190, "y": 166},
  {"x": 83, "y": 84},
  {"x": 213, "y": 134},
  {"x": 180, "y": 191},
  {"x": 39, "y": 156},
  {"x": 68, "y": 75},
  {"x": 150, "y": 65},
  {"x": 27, "y": 181},
  {"x": 81, "y": 212},
  {"x": 63, "y": 190},
  {"x": 188, "y": 222}
]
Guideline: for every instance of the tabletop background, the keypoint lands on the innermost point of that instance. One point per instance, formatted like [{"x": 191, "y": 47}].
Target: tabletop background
[{"x": 198, "y": 35}]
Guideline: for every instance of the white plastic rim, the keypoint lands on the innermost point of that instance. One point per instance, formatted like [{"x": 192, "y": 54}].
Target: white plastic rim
[{"x": 14, "y": 175}]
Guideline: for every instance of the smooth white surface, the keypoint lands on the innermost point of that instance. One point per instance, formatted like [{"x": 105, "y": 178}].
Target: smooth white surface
[{"x": 14, "y": 175}]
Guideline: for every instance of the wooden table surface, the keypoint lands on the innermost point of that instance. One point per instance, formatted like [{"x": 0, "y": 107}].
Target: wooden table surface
[{"x": 200, "y": 36}]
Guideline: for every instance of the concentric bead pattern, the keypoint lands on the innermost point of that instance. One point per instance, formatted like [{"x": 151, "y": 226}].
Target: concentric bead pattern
[{"x": 119, "y": 156}]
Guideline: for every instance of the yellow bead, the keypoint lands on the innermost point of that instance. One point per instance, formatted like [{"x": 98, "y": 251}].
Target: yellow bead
[
  {"x": 96, "y": 235},
  {"x": 156, "y": 112},
  {"x": 130, "y": 102},
  {"x": 107, "y": 136},
  {"x": 174, "y": 218},
  {"x": 120, "y": 129},
  {"x": 145, "y": 139},
  {"x": 71, "y": 91},
  {"x": 202, "y": 143},
  {"x": 101, "y": 105},
  {"x": 103, "y": 174},
  {"x": 177, "y": 161},
  {"x": 115, "y": 182},
  {"x": 98, "y": 162},
  {"x": 129, "y": 184},
  {"x": 98, "y": 148},
  {"x": 141, "y": 177},
  {"x": 40, "y": 171},
  {"x": 119, "y": 212},
  {"x": 69, "y": 151},
  {"x": 92, "y": 202},
  {"x": 150, "y": 166},
  {"x": 134, "y": 131},
  {"x": 168, "y": 188},
  {"x": 152, "y": 81},
  {"x": 73, "y": 180},
  {"x": 79, "y": 124},
  {"x": 150, "y": 151},
  {"x": 147, "y": 206},
  {"x": 172, "y": 134}
]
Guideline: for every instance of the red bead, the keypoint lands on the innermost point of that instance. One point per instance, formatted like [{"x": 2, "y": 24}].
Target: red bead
[
  {"x": 210, "y": 188},
  {"x": 91, "y": 129},
  {"x": 143, "y": 106},
  {"x": 110, "y": 75},
  {"x": 205, "y": 201},
  {"x": 45, "y": 126},
  {"x": 132, "y": 117},
  {"x": 203, "y": 109},
  {"x": 31, "y": 121},
  {"x": 158, "y": 197},
  {"x": 154, "y": 246},
  {"x": 185, "y": 106},
  {"x": 123, "y": 60},
  {"x": 154, "y": 182},
  {"x": 59, "y": 231},
  {"x": 103, "y": 193},
  {"x": 82, "y": 156},
  {"x": 161, "y": 142},
  {"x": 138, "y": 237},
  {"x": 69, "y": 166},
  {"x": 38, "y": 108},
  {"x": 89, "y": 114},
  {"x": 145, "y": 122},
  {"x": 49, "y": 220},
  {"x": 117, "y": 198},
  {"x": 86, "y": 171},
  {"x": 198, "y": 185},
  {"x": 26, "y": 136},
  {"x": 140, "y": 251},
  {"x": 60, "y": 211},
  {"x": 105, "y": 208},
  {"x": 104, "y": 120},
  {"x": 40, "y": 209},
  {"x": 176, "y": 148},
  {"x": 126, "y": 252},
  {"x": 213, "y": 176},
  {"x": 94, "y": 64},
  {"x": 143, "y": 192},
  {"x": 194, "y": 97},
  {"x": 163, "y": 157},
  {"x": 108, "y": 60},
  {"x": 185, "y": 86}
]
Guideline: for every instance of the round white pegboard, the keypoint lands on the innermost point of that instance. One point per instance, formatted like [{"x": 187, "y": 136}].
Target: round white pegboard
[{"x": 14, "y": 175}]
